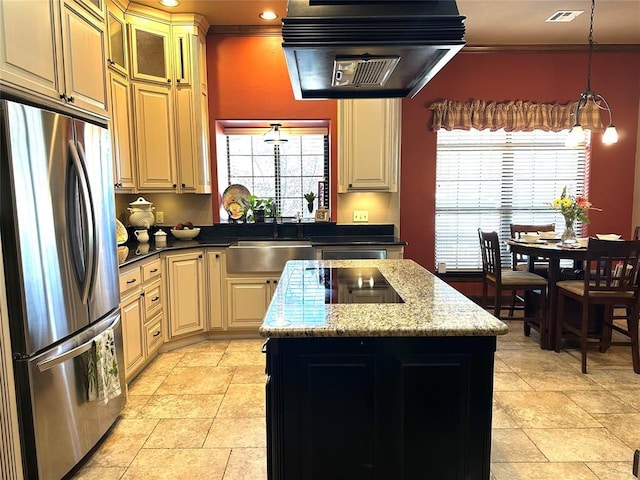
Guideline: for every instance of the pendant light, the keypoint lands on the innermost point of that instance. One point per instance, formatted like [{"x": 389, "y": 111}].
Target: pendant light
[
  {"x": 274, "y": 135},
  {"x": 576, "y": 135}
]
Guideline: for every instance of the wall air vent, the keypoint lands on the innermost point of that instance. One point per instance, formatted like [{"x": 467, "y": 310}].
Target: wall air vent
[
  {"x": 358, "y": 71},
  {"x": 563, "y": 16}
]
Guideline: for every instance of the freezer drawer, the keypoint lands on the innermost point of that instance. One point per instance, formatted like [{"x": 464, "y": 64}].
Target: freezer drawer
[{"x": 66, "y": 422}]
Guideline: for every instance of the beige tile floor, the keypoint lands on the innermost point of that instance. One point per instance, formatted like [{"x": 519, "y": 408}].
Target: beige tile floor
[{"x": 198, "y": 412}]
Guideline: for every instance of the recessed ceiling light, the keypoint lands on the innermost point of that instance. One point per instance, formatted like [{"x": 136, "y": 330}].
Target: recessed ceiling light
[
  {"x": 268, "y": 15},
  {"x": 170, "y": 3}
]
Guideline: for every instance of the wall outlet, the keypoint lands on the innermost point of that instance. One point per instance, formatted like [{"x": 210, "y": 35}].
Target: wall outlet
[
  {"x": 361, "y": 215},
  {"x": 442, "y": 267},
  {"x": 160, "y": 217}
]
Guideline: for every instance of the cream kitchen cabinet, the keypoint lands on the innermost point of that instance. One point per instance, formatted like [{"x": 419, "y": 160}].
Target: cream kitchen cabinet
[
  {"x": 142, "y": 310},
  {"x": 150, "y": 50},
  {"x": 131, "y": 309},
  {"x": 185, "y": 286},
  {"x": 248, "y": 299},
  {"x": 215, "y": 282},
  {"x": 55, "y": 50},
  {"x": 154, "y": 137},
  {"x": 118, "y": 54},
  {"x": 368, "y": 144},
  {"x": 124, "y": 172},
  {"x": 168, "y": 67}
]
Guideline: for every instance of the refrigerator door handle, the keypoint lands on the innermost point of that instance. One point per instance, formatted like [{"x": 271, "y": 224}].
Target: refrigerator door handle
[
  {"x": 75, "y": 352},
  {"x": 88, "y": 223},
  {"x": 93, "y": 253}
]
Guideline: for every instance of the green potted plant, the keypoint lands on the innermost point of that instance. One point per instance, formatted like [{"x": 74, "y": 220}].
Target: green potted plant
[
  {"x": 254, "y": 209},
  {"x": 310, "y": 197}
]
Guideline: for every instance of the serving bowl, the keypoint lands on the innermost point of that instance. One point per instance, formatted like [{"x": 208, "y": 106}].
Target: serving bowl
[
  {"x": 548, "y": 235},
  {"x": 185, "y": 234},
  {"x": 530, "y": 237},
  {"x": 608, "y": 236}
]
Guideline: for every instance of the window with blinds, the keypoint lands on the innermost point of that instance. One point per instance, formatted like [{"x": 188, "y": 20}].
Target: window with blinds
[
  {"x": 492, "y": 179},
  {"x": 282, "y": 172}
]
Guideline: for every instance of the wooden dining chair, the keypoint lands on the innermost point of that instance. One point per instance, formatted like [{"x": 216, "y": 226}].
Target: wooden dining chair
[
  {"x": 521, "y": 262},
  {"x": 611, "y": 279},
  {"x": 501, "y": 280}
]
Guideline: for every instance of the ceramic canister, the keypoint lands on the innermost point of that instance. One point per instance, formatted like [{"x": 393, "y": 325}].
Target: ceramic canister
[{"x": 141, "y": 213}]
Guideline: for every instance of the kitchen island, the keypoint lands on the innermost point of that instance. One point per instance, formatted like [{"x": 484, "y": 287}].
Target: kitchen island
[{"x": 376, "y": 370}]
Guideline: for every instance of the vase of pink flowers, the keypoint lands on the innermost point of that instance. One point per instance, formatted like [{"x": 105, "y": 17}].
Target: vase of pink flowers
[{"x": 572, "y": 208}]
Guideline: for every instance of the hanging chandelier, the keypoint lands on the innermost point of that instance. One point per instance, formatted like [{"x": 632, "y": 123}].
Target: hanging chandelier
[
  {"x": 576, "y": 135},
  {"x": 274, "y": 135}
]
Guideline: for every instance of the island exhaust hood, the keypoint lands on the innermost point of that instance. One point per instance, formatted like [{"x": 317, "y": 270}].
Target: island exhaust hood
[{"x": 368, "y": 48}]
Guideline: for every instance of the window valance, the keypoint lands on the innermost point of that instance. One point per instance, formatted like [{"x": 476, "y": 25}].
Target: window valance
[{"x": 513, "y": 116}]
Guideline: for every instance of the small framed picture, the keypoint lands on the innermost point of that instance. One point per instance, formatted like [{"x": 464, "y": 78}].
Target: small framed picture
[{"x": 322, "y": 215}]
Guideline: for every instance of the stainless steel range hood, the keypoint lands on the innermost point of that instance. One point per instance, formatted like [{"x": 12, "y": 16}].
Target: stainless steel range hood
[{"x": 368, "y": 48}]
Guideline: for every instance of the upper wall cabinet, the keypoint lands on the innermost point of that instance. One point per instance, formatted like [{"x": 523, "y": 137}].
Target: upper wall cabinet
[
  {"x": 55, "y": 50},
  {"x": 150, "y": 50},
  {"x": 168, "y": 71},
  {"x": 118, "y": 57},
  {"x": 368, "y": 144}
]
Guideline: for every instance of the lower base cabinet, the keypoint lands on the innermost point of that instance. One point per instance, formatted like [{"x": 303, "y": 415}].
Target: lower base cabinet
[
  {"x": 248, "y": 299},
  {"x": 185, "y": 283},
  {"x": 379, "y": 408}
]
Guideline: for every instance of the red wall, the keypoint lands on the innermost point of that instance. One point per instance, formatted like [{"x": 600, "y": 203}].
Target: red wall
[
  {"x": 541, "y": 77},
  {"x": 248, "y": 80}
]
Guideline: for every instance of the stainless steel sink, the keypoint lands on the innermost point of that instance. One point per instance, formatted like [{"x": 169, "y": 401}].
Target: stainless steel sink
[{"x": 266, "y": 255}]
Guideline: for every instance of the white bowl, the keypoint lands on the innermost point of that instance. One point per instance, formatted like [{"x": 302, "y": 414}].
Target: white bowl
[
  {"x": 608, "y": 236},
  {"x": 530, "y": 237},
  {"x": 185, "y": 234},
  {"x": 548, "y": 235}
]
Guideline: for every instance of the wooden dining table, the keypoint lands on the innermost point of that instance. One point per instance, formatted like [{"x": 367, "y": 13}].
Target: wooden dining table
[{"x": 553, "y": 252}]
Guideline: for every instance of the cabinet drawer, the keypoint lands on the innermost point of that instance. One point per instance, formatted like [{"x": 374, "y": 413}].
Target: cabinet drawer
[
  {"x": 130, "y": 278},
  {"x": 151, "y": 270},
  {"x": 154, "y": 335},
  {"x": 153, "y": 298}
]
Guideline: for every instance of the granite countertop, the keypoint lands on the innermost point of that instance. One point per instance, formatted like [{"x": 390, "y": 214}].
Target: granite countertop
[{"x": 430, "y": 308}]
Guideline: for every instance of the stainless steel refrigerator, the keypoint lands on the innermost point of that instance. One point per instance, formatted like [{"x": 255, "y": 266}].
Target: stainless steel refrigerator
[{"x": 57, "y": 226}]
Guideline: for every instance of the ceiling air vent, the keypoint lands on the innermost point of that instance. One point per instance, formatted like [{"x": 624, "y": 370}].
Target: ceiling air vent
[
  {"x": 562, "y": 16},
  {"x": 366, "y": 71}
]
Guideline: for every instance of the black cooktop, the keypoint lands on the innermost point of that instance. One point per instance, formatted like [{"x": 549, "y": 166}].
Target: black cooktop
[{"x": 354, "y": 285}]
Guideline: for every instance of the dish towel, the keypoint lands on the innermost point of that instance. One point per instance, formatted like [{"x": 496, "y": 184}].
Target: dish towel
[{"x": 104, "y": 376}]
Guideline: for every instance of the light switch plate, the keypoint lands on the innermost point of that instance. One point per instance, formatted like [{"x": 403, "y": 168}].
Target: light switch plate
[
  {"x": 160, "y": 217},
  {"x": 361, "y": 215}
]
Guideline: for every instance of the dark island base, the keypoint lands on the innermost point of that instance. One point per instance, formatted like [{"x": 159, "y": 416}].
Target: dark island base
[{"x": 379, "y": 408}]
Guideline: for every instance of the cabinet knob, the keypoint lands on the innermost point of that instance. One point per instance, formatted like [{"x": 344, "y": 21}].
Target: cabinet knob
[
  {"x": 178, "y": 80},
  {"x": 168, "y": 80},
  {"x": 217, "y": 255},
  {"x": 184, "y": 185},
  {"x": 142, "y": 294},
  {"x": 268, "y": 281},
  {"x": 63, "y": 96},
  {"x": 199, "y": 256},
  {"x": 71, "y": 100},
  {"x": 133, "y": 280},
  {"x": 175, "y": 185}
]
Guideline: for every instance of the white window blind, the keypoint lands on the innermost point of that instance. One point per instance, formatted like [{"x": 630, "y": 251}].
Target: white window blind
[{"x": 492, "y": 179}]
